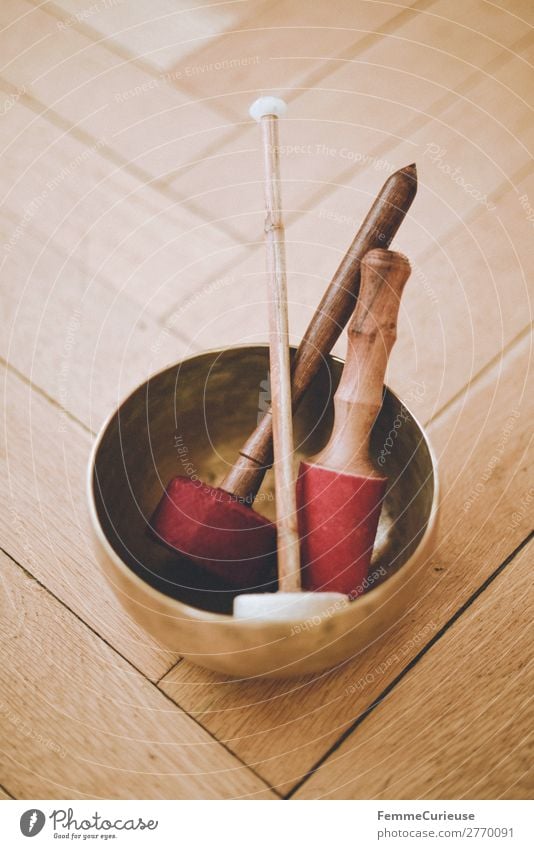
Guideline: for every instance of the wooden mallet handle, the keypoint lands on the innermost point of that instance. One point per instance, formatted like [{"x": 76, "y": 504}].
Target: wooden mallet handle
[
  {"x": 378, "y": 229},
  {"x": 371, "y": 335},
  {"x": 266, "y": 110}
]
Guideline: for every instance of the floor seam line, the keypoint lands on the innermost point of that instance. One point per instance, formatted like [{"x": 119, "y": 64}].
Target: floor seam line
[
  {"x": 6, "y": 791},
  {"x": 481, "y": 373},
  {"x": 60, "y": 601},
  {"x": 220, "y": 743},
  {"x": 415, "y": 660},
  {"x": 44, "y": 394},
  {"x": 142, "y": 674}
]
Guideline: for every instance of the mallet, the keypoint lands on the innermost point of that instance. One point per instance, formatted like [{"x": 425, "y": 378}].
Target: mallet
[
  {"x": 288, "y": 602},
  {"x": 339, "y": 492},
  {"x": 215, "y": 526}
]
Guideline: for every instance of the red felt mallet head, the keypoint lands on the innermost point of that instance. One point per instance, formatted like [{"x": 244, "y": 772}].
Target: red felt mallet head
[
  {"x": 218, "y": 531},
  {"x": 339, "y": 492}
]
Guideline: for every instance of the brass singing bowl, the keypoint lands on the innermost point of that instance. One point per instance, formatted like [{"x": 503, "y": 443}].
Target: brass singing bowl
[{"x": 191, "y": 419}]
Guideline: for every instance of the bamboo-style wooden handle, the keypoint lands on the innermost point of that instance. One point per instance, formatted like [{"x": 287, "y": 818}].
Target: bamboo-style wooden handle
[
  {"x": 288, "y": 545},
  {"x": 371, "y": 335},
  {"x": 378, "y": 229}
]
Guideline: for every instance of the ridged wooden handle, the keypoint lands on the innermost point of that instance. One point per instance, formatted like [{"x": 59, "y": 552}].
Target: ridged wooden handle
[
  {"x": 378, "y": 229},
  {"x": 371, "y": 335}
]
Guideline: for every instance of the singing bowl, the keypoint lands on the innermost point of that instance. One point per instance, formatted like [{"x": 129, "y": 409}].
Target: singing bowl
[{"x": 191, "y": 419}]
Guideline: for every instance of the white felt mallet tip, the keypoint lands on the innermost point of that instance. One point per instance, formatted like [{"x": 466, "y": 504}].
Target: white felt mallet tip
[
  {"x": 288, "y": 607},
  {"x": 268, "y": 106}
]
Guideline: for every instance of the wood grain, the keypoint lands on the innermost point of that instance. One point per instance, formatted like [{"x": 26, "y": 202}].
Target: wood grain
[
  {"x": 375, "y": 109},
  {"x": 283, "y": 728},
  {"x": 444, "y": 337},
  {"x": 72, "y": 191},
  {"x": 460, "y": 723},
  {"x": 77, "y": 720},
  {"x": 73, "y": 336},
  {"x": 46, "y": 527},
  {"x": 155, "y": 35},
  {"x": 149, "y": 243},
  {"x": 283, "y": 39},
  {"x": 200, "y": 181},
  {"x": 209, "y": 310},
  {"x": 105, "y": 95}
]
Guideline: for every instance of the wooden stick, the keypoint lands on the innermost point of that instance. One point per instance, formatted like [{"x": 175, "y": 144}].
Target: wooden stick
[
  {"x": 380, "y": 225},
  {"x": 266, "y": 111}
]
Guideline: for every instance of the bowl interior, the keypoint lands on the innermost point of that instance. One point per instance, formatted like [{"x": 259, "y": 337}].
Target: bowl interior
[{"x": 191, "y": 420}]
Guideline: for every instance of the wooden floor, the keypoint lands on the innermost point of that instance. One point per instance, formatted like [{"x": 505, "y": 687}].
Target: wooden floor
[{"x": 130, "y": 235}]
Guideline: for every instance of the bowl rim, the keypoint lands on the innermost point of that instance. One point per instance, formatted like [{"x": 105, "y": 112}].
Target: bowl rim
[{"x": 198, "y": 614}]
